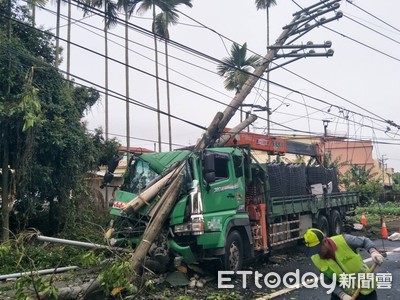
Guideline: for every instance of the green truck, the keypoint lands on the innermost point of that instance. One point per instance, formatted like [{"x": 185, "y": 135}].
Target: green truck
[{"x": 230, "y": 207}]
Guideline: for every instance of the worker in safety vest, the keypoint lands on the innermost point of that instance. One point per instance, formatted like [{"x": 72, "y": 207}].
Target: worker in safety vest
[{"x": 338, "y": 254}]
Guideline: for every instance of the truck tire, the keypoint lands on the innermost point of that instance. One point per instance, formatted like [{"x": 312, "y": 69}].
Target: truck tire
[
  {"x": 323, "y": 224},
  {"x": 233, "y": 258},
  {"x": 335, "y": 223}
]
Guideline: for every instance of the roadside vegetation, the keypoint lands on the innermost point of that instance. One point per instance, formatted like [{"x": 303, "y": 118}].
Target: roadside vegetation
[
  {"x": 378, "y": 204},
  {"x": 46, "y": 157},
  {"x": 375, "y": 213}
]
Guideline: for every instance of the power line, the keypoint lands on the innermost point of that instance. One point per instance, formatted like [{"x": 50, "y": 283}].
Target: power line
[
  {"x": 360, "y": 107},
  {"x": 139, "y": 139},
  {"x": 373, "y": 30},
  {"x": 218, "y": 101},
  {"x": 101, "y": 13},
  {"x": 372, "y": 15}
]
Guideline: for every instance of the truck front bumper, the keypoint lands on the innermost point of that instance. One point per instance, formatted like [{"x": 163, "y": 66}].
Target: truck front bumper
[{"x": 184, "y": 251}]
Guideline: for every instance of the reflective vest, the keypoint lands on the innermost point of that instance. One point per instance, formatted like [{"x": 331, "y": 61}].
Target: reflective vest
[{"x": 346, "y": 261}]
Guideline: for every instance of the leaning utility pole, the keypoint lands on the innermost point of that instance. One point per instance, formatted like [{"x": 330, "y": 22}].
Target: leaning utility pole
[{"x": 214, "y": 135}]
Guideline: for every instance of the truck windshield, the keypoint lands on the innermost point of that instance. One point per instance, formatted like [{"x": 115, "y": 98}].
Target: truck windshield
[{"x": 139, "y": 177}]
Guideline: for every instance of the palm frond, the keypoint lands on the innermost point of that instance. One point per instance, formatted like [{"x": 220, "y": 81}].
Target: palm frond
[
  {"x": 111, "y": 16},
  {"x": 161, "y": 26},
  {"x": 40, "y": 3},
  {"x": 264, "y": 4}
]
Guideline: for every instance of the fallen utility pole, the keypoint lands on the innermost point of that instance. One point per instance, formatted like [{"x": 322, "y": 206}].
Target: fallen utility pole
[
  {"x": 40, "y": 272},
  {"x": 153, "y": 229},
  {"x": 43, "y": 238},
  {"x": 235, "y": 130},
  {"x": 147, "y": 195},
  {"x": 168, "y": 200}
]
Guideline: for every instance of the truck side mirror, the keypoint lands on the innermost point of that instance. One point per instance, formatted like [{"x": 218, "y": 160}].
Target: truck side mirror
[
  {"x": 209, "y": 177},
  {"x": 238, "y": 165},
  {"x": 108, "y": 177},
  {"x": 209, "y": 167},
  {"x": 113, "y": 163},
  {"x": 209, "y": 162}
]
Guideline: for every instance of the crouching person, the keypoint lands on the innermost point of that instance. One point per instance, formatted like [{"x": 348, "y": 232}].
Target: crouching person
[{"x": 338, "y": 255}]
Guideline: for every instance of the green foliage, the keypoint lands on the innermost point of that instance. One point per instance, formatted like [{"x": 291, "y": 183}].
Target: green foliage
[
  {"x": 357, "y": 175},
  {"x": 4, "y": 251},
  {"x": 360, "y": 179},
  {"x": 90, "y": 259},
  {"x": 84, "y": 224},
  {"x": 105, "y": 149},
  {"x": 50, "y": 148},
  {"x": 85, "y": 221},
  {"x": 382, "y": 209},
  {"x": 375, "y": 212},
  {"x": 396, "y": 182},
  {"x": 329, "y": 162},
  {"x": 223, "y": 296},
  {"x": 396, "y": 178},
  {"x": 34, "y": 284},
  {"x": 236, "y": 68},
  {"x": 264, "y": 4},
  {"x": 184, "y": 297},
  {"x": 30, "y": 104},
  {"x": 19, "y": 255},
  {"x": 116, "y": 278},
  {"x": 24, "y": 253}
]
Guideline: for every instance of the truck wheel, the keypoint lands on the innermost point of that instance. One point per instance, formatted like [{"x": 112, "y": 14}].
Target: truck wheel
[
  {"x": 336, "y": 223},
  {"x": 323, "y": 224},
  {"x": 233, "y": 258}
]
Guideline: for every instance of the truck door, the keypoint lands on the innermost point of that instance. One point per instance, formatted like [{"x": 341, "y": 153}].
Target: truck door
[{"x": 222, "y": 190}]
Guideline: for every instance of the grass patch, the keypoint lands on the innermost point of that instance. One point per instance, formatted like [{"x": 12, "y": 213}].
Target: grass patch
[
  {"x": 389, "y": 211},
  {"x": 384, "y": 209}
]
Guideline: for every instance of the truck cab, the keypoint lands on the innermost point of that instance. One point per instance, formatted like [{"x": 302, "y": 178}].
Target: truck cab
[{"x": 228, "y": 208}]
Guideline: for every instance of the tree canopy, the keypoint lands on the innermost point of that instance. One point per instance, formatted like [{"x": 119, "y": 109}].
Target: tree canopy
[{"x": 43, "y": 137}]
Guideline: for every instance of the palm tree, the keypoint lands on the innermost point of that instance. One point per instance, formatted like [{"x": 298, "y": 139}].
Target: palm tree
[
  {"x": 144, "y": 6},
  {"x": 236, "y": 68},
  {"x": 32, "y": 5},
  {"x": 162, "y": 21},
  {"x": 41, "y": 3},
  {"x": 58, "y": 2},
  {"x": 110, "y": 20},
  {"x": 68, "y": 41},
  {"x": 128, "y": 6},
  {"x": 266, "y": 4}
]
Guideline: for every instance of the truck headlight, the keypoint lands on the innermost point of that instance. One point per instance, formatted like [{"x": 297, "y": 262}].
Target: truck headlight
[{"x": 183, "y": 228}]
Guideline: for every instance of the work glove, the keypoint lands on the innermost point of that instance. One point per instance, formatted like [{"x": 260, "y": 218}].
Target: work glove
[
  {"x": 376, "y": 257},
  {"x": 344, "y": 296}
]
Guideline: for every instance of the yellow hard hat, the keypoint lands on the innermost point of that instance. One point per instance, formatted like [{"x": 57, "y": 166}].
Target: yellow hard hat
[{"x": 312, "y": 239}]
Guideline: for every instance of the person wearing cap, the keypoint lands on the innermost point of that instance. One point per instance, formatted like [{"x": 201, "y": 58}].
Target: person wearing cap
[{"x": 338, "y": 254}]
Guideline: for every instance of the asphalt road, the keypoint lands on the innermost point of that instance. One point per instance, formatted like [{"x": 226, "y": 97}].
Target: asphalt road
[{"x": 390, "y": 266}]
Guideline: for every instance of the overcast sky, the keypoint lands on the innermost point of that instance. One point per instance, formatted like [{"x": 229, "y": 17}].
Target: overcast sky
[{"x": 360, "y": 81}]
